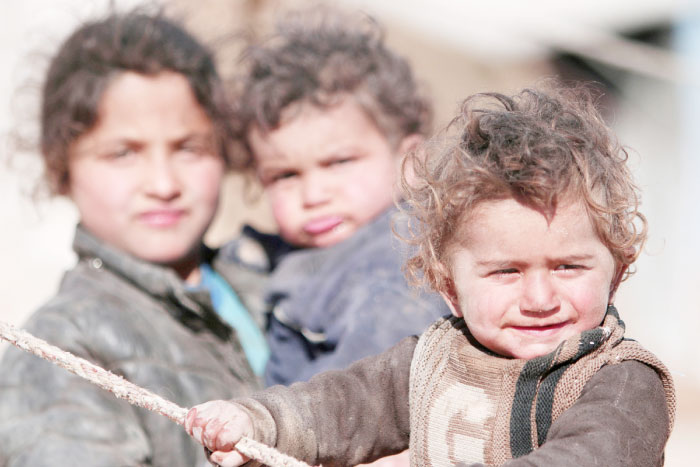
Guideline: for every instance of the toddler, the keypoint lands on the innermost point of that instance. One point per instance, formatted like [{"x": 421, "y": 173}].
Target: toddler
[{"x": 328, "y": 110}]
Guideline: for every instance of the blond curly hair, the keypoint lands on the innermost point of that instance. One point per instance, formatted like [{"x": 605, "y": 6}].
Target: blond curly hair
[{"x": 542, "y": 146}]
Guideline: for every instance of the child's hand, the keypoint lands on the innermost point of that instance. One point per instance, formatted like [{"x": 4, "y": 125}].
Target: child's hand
[{"x": 218, "y": 426}]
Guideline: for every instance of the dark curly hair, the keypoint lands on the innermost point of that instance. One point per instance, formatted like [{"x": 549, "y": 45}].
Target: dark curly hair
[
  {"x": 321, "y": 55},
  {"x": 90, "y": 58},
  {"x": 540, "y": 147}
]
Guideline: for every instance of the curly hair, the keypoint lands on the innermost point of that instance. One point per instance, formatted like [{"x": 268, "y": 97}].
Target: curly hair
[
  {"x": 321, "y": 55},
  {"x": 90, "y": 58},
  {"x": 542, "y": 146}
]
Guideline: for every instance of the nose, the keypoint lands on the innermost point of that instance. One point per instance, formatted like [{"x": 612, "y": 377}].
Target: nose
[
  {"x": 539, "y": 294},
  {"x": 315, "y": 188},
  {"x": 161, "y": 177}
]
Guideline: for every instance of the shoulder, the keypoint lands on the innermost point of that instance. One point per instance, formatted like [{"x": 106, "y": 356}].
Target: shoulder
[
  {"x": 630, "y": 385},
  {"x": 90, "y": 324},
  {"x": 622, "y": 412},
  {"x": 99, "y": 315}
]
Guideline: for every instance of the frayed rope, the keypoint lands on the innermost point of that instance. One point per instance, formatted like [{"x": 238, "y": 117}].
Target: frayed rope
[{"x": 130, "y": 392}]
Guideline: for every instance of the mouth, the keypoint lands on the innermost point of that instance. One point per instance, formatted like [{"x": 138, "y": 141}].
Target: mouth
[
  {"x": 544, "y": 330},
  {"x": 322, "y": 225},
  {"x": 161, "y": 218}
]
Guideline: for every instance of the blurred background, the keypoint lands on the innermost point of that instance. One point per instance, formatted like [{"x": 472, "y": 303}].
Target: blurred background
[{"x": 643, "y": 54}]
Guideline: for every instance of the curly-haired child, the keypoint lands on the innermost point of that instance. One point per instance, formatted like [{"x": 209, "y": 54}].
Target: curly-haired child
[{"x": 526, "y": 222}]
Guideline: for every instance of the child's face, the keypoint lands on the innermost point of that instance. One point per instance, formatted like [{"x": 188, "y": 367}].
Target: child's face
[
  {"x": 146, "y": 178},
  {"x": 522, "y": 285},
  {"x": 327, "y": 172}
]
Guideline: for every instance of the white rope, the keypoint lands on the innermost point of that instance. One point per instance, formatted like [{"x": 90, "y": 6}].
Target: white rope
[{"x": 130, "y": 392}]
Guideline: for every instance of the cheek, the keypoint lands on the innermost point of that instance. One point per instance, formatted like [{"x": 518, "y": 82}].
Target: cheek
[
  {"x": 283, "y": 205},
  {"x": 95, "y": 190},
  {"x": 205, "y": 181},
  {"x": 484, "y": 303},
  {"x": 591, "y": 300},
  {"x": 370, "y": 195}
]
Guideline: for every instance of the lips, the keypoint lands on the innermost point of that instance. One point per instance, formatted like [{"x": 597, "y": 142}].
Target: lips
[
  {"x": 161, "y": 218},
  {"x": 541, "y": 330},
  {"x": 322, "y": 225}
]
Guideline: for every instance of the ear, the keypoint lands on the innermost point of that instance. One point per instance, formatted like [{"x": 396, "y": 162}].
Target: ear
[
  {"x": 406, "y": 146},
  {"x": 409, "y": 143},
  {"x": 65, "y": 189},
  {"x": 449, "y": 294},
  {"x": 616, "y": 281}
]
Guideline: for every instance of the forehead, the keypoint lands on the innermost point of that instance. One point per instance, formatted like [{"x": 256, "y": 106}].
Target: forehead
[
  {"x": 309, "y": 132},
  {"x": 138, "y": 102},
  {"x": 506, "y": 227}
]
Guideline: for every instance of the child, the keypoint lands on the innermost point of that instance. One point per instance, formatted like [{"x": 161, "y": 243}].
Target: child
[
  {"x": 526, "y": 223},
  {"x": 327, "y": 112},
  {"x": 135, "y": 127}
]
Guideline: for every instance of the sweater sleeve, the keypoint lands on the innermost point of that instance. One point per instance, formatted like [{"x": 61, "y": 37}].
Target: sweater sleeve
[
  {"x": 621, "y": 419},
  {"x": 340, "y": 417}
]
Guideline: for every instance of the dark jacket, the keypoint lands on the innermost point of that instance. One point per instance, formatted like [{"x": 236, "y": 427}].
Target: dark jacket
[
  {"x": 332, "y": 306},
  {"x": 135, "y": 319}
]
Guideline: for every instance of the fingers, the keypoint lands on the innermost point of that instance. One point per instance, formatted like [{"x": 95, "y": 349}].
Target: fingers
[
  {"x": 218, "y": 425},
  {"x": 228, "y": 459}
]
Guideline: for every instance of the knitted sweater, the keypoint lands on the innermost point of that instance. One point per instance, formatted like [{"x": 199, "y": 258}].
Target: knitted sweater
[
  {"x": 469, "y": 406},
  {"x": 606, "y": 403}
]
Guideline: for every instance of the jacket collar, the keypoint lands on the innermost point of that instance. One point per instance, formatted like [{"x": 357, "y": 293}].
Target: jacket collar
[{"x": 155, "y": 280}]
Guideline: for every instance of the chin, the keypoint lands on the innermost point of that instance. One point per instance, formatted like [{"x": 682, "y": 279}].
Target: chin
[
  {"x": 165, "y": 256},
  {"x": 531, "y": 351}
]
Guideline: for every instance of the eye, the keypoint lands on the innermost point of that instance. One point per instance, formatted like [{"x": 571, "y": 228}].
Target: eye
[
  {"x": 121, "y": 152},
  {"x": 340, "y": 161},
  {"x": 569, "y": 268},
  {"x": 285, "y": 175},
  {"x": 192, "y": 148},
  {"x": 196, "y": 147},
  {"x": 276, "y": 177},
  {"x": 504, "y": 272}
]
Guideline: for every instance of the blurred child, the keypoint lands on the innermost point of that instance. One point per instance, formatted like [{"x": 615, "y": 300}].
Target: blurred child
[
  {"x": 134, "y": 130},
  {"x": 327, "y": 113},
  {"x": 526, "y": 223}
]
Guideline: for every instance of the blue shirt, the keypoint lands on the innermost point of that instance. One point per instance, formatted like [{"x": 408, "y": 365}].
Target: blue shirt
[{"x": 231, "y": 310}]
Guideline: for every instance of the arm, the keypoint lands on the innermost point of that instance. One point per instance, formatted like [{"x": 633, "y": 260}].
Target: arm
[
  {"x": 337, "y": 418},
  {"x": 620, "y": 419}
]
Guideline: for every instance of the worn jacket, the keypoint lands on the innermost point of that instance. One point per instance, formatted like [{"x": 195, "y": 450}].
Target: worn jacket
[
  {"x": 460, "y": 404},
  {"x": 332, "y": 306},
  {"x": 140, "y": 321}
]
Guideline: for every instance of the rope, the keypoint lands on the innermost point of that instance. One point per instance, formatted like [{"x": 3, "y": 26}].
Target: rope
[{"x": 133, "y": 394}]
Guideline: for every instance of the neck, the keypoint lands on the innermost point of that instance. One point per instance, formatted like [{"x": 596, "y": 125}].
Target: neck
[{"x": 188, "y": 269}]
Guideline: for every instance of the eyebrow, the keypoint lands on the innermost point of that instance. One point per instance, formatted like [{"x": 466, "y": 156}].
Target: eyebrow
[
  {"x": 274, "y": 168},
  {"x": 497, "y": 264},
  {"x": 500, "y": 264}
]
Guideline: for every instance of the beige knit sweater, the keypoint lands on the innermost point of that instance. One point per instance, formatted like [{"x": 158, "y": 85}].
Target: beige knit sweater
[{"x": 471, "y": 407}]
